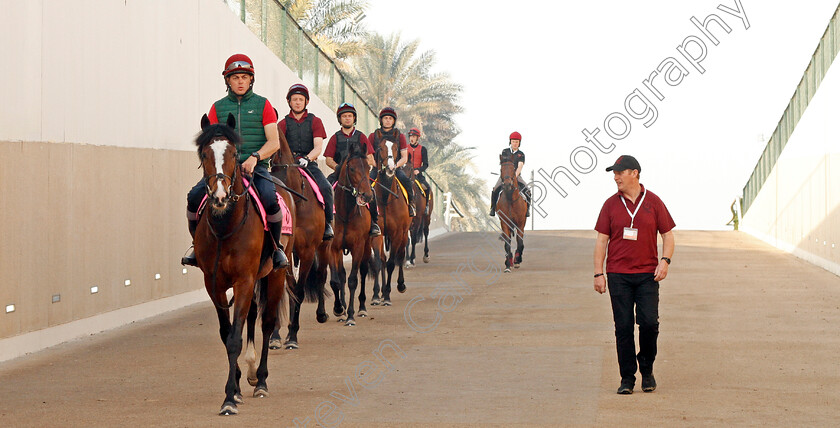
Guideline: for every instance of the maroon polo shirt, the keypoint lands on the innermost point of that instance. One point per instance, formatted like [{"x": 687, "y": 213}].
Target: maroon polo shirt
[
  {"x": 641, "y": 255},
  {"x": 329, "y": 152},
  {"x": 317, "y": 124}
]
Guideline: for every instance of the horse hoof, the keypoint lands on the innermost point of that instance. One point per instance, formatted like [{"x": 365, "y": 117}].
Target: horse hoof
[
  {"x": 260, "y": 392},
  {"x": 228, "y": 409},
  {"x": 322, "y": 318},
  {"x": 375, "y": 302},
  {"x": 274, "y": 344},
  {"x": 338, "y": 313},
  {"x": 252, "y": 381},
  {"x": 425, "y": 259},
  {"x": 291, "y": 344},
  {"x": 401, "y": 288},
  {"x": 507, "y": 270},
  {"x": 238, "y": 398},
  {"x": 350, "y": 323},
  {"x": 386, "y": 303},
  {"x": 340, "y": 319},
  {"x": 363, "y": 313},
  {"x": 516, "y": 265}
]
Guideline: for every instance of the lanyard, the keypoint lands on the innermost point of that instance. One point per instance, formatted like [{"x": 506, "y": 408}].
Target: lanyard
[{"x": 633, "y": 215}]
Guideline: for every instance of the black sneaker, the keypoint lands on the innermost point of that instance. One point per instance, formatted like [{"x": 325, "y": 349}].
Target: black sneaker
[
  {"x": 625, "y": 389},
  {"x": 328, "y": 232},
  {"x": 648, "y": 383},
  {"x": 493, "y": 213},
  {"x": 279, "y": 259}
]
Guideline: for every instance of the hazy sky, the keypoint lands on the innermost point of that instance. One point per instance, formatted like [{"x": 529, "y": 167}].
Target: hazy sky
[{"x": 552, "y": 69}]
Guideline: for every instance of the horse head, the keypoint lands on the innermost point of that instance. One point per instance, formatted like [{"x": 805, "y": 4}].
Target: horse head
[
  {"x": 353, "y": 177},
  {"x": 385, "y": 157},
  {"x": 508, "y": 174},
  {"x": 217, "y": 151}
]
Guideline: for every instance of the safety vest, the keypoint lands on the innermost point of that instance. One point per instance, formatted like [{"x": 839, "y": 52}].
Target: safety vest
[
  {"x": 248, "y": 112},
  {"x": 299, "y": 135},
  {"x": 342, "y": 144},
  {"x": 416, "y": 155}
]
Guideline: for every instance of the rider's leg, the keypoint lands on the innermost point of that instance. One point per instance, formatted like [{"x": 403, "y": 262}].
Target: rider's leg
[
  {"x": 409, "y": 189},
  {"x": 426, "y": 188},
  {"x": 274, "y": 216},
  {"x": 193, "y": 201},
  {"x": 332, "y": 178},
  {"x": 374, "y": 211},
  {"x": 523, "y": 186},
  {"x": 494, "y": 195},
  {"x": 327, "y": 193}
]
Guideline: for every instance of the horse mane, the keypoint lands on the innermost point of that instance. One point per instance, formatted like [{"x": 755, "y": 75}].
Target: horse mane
[
  {"x": 505, "y": 158},
  {"x": 209, "y": 132}
]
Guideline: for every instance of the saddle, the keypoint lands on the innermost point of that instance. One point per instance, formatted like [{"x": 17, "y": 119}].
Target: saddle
[
  {"x": 287, "y": 226},
  {"x": 313, "y": 185},
  {"x": 421, "y": 187},
  {"x": 404, "y": 192}
]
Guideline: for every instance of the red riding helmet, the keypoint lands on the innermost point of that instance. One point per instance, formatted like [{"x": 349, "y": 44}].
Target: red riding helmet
[
  {"x": 388, "y": 111},
  {"x": 414, "y": 131},
  {"x": 238, "y": 63},
  {"x": 346, "y": 108},
  {"x": 298, "y": 88},
  {"x": 515, "y": 136}
]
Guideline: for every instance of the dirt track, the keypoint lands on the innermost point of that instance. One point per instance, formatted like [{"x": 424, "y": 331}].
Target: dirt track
[{"x": 749, "y": 336}]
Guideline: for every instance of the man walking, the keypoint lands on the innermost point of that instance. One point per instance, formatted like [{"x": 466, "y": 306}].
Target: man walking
[{"x": 627, "y": 228}]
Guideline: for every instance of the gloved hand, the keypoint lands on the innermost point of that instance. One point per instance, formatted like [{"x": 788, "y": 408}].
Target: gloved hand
[{"x": 303, "y": 162}]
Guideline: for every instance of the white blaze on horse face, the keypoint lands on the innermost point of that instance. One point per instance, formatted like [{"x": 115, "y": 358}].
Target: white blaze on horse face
[
  {"x": 390, "y": 146},
  {"x": 219, "y": 147}
]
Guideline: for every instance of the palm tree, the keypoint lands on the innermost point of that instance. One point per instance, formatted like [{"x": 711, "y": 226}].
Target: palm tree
[
  {"x": 334, "y": 25},
  {"x": 391, "y": 73}
]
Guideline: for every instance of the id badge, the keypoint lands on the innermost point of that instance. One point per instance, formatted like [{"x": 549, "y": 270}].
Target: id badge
[{"x": 630, "y": 233}]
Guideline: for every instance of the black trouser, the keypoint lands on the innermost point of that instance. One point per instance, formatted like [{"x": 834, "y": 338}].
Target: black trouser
[
  {"x": 626, "y": 291},
  {"x": 265, "y": 188},
  {"x": 324, "y": 185},
  {"x": 422, "y": 179},
  {"x": 374, "y": 214}
]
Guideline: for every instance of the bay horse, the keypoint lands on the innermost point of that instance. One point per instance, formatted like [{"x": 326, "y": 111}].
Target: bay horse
[
  {"x": 352, "y": 227},
  {"x": 511, "y": 209},
  {"x": 233, "y": 251},
  {"x": 311, "y": 252},
  {"x": 418, "y": 230},
  {"x": 393, "y": 218}
]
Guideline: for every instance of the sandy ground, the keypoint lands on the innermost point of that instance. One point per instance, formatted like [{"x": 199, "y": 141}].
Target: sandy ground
[{"x": 748, "y": 336}]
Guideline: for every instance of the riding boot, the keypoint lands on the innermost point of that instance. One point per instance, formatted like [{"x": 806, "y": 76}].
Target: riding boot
[
  {"x": 412, "y": 210},
  {"x": 329, "y": 209},
  {"x": 374, "y": 217},
  {"x": 528, "y": 202},
  {"x": 493, "y": 197},
  {"x": 328, "y": 231},
  {"x": 278, "y": 259},
  {"x": 189, "y": 259}
]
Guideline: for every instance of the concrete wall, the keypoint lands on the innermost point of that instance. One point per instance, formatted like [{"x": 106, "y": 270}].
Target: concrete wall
[
  {"x": 798, "y": 208},
  {"x": 103, "y": 99}
]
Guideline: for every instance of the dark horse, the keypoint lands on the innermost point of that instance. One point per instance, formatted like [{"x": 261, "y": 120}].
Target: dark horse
[
  {"x": 311, "y": 252},
  {"x": 233, "y": 251},
  {"x": 419, "y": 229},
  {"x": 352, "y": 227},
  {"x": 511, "y": 209},
  {"x": 393, "y": 218}
]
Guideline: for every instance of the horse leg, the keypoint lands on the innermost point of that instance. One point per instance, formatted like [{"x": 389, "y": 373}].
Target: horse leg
[
  {"x": 250, "y": 351},
  {"x": 400, "y": 277},
  {"x": 224, "y": 332},
  {"x": 520, "y": 247},
  {"x": 425, "y": 243},
  {"x": 386, "y": 286},
  {"x": 318, "y": 277},
  {"x": 271, "y": 297},
  {"x": 352, "y": 282},
  {"x": 291, "y": 341},
  {"x": 375, "y": 299},
  {"x": 337, "y": 278},
  {"x": 233, "y": 343},
  {"x": 363, "y": 273},
  {"x": 508, "y": 256}
]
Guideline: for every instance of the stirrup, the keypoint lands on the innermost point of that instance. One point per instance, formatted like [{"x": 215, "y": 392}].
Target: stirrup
[
  {"x": 279, "y": 259},
  {"x": 412, "y": 212},
  {"x": 328, "y": 232},
  {"x": 189, "y": 259},
  {"x": 374, "y": 229}
]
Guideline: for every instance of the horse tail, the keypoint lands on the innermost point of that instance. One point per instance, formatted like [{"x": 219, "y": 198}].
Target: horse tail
[
  {"x": 387, "y": 244},
  {"x": 374, "y": 264},
  {"x": 311, "y": 288},
  {"x": 283, "y": 308}
]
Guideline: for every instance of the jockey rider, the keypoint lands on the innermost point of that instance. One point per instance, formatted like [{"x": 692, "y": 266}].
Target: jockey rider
[
  {"x": 518, "y": 159},
  {"x": 389, "y": 132},
  {"x": 419, "y": 159},
  {"x": 256, "y": 124},
  {"x": 338, "y": 149},
  {"x": 305, "y": 134}
]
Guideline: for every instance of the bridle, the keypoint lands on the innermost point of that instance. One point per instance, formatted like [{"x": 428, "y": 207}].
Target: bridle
[{"x": 229, "y": 194}]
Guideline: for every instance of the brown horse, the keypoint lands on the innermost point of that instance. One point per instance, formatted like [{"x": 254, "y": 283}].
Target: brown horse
[
  {"x": 233, "y": 251},
  {"x": 352, "y": 227},
  {"x": 418, "y": 230},
  {"x": 393, "y": 218},
  {"x": 311, "y": 252},
  {"x": 511, "y": 209}
]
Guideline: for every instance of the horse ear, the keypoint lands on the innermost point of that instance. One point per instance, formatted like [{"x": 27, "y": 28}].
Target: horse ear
[
  {"x": 231, "y": 121},
  {"x": 205, "y": 121}
]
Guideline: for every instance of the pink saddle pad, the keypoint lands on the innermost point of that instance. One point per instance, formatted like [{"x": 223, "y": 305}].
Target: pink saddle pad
[
  {"x": 286, "y": 227},
  {"x": 314, "y": 186}
]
